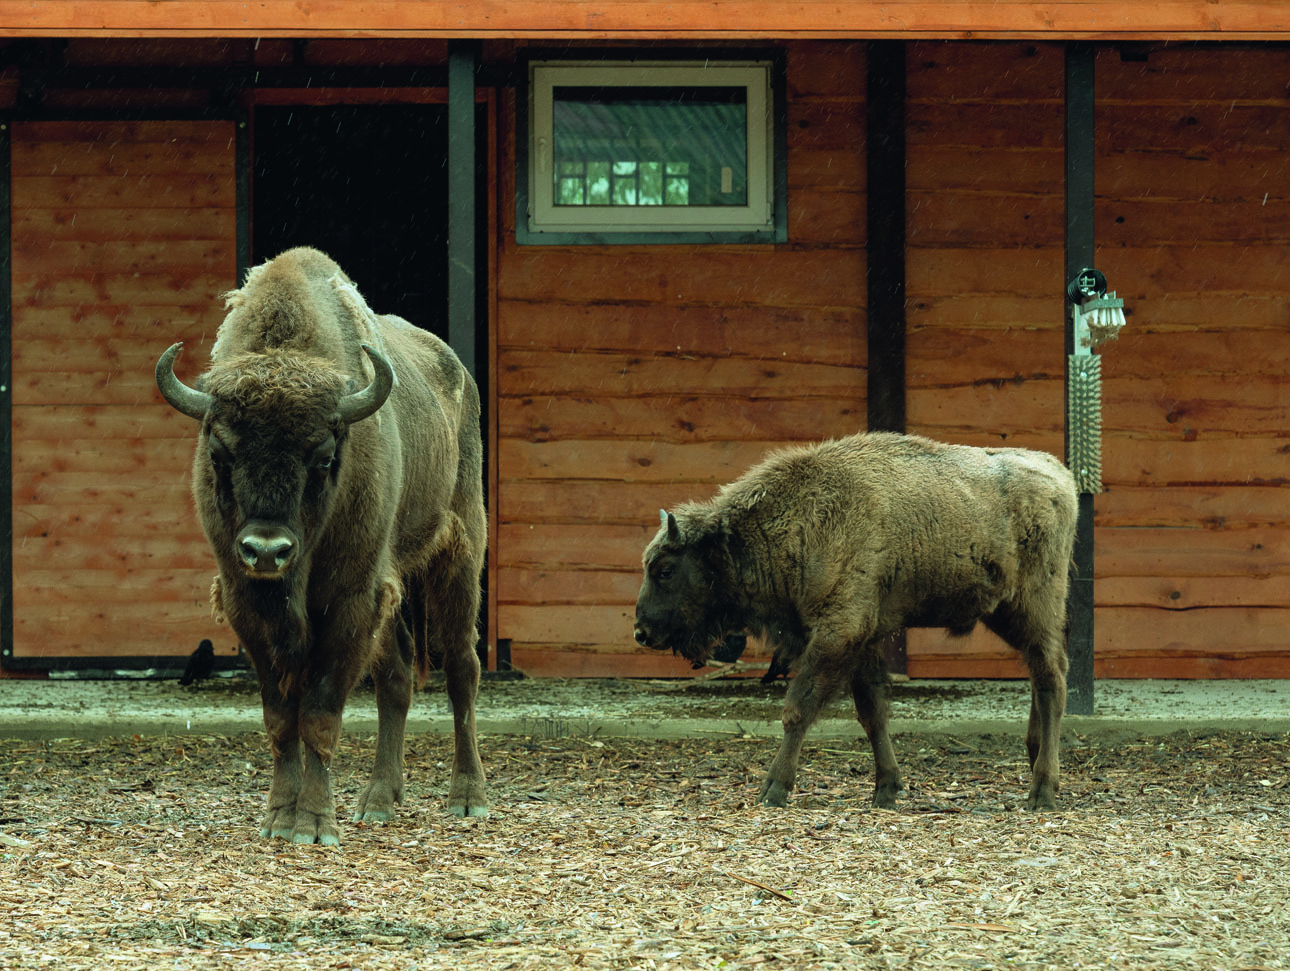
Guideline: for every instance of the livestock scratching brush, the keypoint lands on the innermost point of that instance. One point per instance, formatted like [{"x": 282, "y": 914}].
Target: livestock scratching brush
[
  {"x": 1096, "y": 317},
  {"x": 1084, "y": 421}
]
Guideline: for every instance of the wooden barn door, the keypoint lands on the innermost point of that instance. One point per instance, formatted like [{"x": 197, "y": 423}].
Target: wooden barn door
[{"x": 123, "y": 238}]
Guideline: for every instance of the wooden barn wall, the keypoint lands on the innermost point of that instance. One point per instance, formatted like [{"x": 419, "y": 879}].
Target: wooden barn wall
[
  {"x": 123, "y": 239},
  {"x": 630, "y": 378},
  {"x": 1192, "y": 550}
]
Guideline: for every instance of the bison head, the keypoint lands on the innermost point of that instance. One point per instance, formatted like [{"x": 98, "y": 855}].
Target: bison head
[
  {"x": 683, "y": 602},
  {"x": 270, "y": 450}
]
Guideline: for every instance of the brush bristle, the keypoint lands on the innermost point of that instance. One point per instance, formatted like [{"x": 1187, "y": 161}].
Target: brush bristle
[{"x": 1084, "y": 422}]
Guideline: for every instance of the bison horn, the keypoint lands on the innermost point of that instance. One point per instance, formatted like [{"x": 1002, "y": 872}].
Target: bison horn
[
  {"x": 361, "y": 404},
  {"x": 182, "y": 398},
  {"x": 673, "y": 530}
]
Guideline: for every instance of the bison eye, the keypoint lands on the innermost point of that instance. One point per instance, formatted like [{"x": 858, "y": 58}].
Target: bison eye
[
  {"x": 323, "y": 456},
  {"x": 664, "y": 573},
  {"x": 220, "y": 455}
]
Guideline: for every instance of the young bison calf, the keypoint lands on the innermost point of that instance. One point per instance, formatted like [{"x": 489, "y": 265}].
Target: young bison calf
[{"x": 826, "y": 550}]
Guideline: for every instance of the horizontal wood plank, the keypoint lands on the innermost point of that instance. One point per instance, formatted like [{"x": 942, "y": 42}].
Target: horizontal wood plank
[
  {"x": 139, "y": 191},
  {"x": 594, "y": 502},
  {"x": 629, "y": 461},
  {"x": 679, "y": 419},
  {"x": 732, "y": 276},
  {"x": 108, "y": 136},
  {"x": 156, "y": 632},
  {"x": 124, "y": 423},
  {"x": 556, "y": 545},
  {"x": 526, "y": 373},
  {"x": 32, "y": 255},
  {"x": 540, "y": 585},
  {"x": 44, "y": 157},
  {"x": 1210, "y": 507},
  {"x": 1189, "y": 593},
  {"x": 33, "y": 228},
  {"x": 1184, "y": 311},
  {"x": 161, "y": 290},
  {"x": 802, "y": 335},
  {"x": 539, "y": 660},
  {"x": 1164, "y": 19},
  {"x": 1146, "y": 551},
  {"x": 571, "y": 624},
  {"x": 104, "y": 589}
]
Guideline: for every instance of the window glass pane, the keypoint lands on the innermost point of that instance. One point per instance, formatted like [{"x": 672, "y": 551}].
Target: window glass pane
[{"x": 650, "y": 146}]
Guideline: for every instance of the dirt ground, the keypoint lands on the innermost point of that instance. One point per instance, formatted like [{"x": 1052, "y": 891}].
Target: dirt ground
[{"x": 140, "y": 849}]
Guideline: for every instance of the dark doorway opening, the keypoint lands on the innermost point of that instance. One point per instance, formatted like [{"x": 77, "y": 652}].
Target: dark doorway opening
[{"x": 366, "y": 184}]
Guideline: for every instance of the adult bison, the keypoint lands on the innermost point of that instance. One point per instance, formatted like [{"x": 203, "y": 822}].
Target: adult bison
[
  {"x": 825, "y": 550},
  {"x": 338, "y": 480}
]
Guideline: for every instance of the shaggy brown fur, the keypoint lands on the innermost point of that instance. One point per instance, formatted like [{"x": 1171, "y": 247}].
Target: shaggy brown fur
[
  {"x": 322, "y": 524},
  {"x": 826, "y": 550}
]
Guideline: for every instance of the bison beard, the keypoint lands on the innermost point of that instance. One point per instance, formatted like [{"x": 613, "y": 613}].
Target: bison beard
[
  {"x": 331, "y": 492},
  {"x": 825, "y": 551}
]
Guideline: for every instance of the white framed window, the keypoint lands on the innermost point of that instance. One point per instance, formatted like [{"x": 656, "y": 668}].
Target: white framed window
[{"x": 651, "y": 150}]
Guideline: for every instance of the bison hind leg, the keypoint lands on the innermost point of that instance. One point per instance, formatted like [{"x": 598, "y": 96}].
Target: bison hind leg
[
  {"x": 1038, "y": 634},
  {"x": 871, "y": 691},
  {"x": 453, "y": 593},
  {"x": 392, "y": 675}
]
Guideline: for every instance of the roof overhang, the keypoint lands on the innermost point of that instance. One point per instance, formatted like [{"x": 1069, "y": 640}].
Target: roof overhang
[{"x": 666, "y": 20}]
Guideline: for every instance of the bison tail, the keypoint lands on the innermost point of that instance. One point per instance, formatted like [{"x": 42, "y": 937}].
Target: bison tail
[{"x": 417, "y": 616}]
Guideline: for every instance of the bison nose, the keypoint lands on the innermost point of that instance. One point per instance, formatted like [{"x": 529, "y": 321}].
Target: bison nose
[
  {"x": 642, "y": 636},
  {"x": 268, "y": 552}
]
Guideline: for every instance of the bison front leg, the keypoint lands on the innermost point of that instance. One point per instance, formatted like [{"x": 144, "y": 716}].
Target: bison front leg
[
  {"x": 808, "y": 693},
  {"x": 871, "y": 689},
  {"x": 284, "y": 742},
  {"x": 315, "y": 820}
]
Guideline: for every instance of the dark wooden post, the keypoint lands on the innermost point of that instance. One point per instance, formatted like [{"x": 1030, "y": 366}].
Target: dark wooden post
[
  {"x": 885, "y": 254},
  {"x": 1080, "y": 161},
  {"x": 463, "y": 67}
]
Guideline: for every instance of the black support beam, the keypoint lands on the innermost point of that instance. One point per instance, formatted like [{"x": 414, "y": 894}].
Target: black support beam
[
  {"x": 885, "y": 256},
  {"x": 1080, "y": 161},
  {"x": 463, "y": 66},
  {"x": 885, "y": 248}
]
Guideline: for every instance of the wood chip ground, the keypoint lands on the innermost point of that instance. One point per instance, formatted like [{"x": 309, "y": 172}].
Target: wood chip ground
[{"x": 1169, "y": 852}]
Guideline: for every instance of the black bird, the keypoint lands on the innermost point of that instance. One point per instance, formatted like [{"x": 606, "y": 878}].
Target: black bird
[{"x": 201, "y": 663}]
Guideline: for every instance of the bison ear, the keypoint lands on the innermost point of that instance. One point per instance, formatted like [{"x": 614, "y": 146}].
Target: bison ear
[{"x": 673, "y": 530}]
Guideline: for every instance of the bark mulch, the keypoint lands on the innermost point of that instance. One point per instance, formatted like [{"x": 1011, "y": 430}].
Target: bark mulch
[{"x": 630, "y": 853}]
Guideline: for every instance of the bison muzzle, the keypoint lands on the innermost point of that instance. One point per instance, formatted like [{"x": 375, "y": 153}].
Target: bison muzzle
[
  {"x": 826, "y": 550},
  {"x": 337, "y": 478}
]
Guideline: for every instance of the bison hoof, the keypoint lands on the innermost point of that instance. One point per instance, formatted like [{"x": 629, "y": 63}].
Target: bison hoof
[
  {"x": 885, "y": 798},
  {"x": 1041, "y": 799},
  {"x": 279, "y": 823},
  {"x": 317, "y": 828},
  {"x": 376, "y": 804},
  {"x": 467, "y": 795},
  {"x": 774, "y": 793},
  {"x": 307, "y": 839}
]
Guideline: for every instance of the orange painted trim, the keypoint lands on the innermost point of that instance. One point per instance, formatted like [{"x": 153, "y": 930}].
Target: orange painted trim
[
  {"x": 587, "y": 664},
  {"x": 1186, "y": 667},
  {"x": 642, "y": 19}
]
